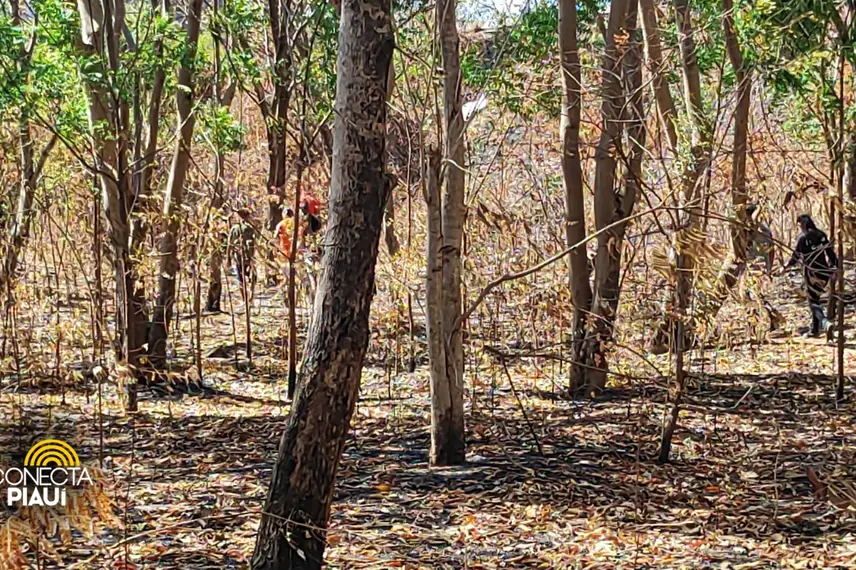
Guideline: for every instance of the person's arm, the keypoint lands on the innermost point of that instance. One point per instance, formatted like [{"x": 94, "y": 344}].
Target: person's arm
[
  {"x": 798, "y": 253},
  {"x": 830, "y": 254}
]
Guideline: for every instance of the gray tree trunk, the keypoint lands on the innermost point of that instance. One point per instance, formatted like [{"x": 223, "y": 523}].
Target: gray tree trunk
[
  {"x": 159, "y": 331},
  {"x": 447, "y": 433},
  {"x": 291, "y": 533},
  {"x": 575, "y": 212}
]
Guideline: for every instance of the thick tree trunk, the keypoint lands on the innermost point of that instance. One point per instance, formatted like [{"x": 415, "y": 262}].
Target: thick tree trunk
[
  {"x": 451, "y": 449},
  {"x": 659, "y": 81},
  {"x": 575, "y": 212},
  {"x": 159, "y": 331},
  {"x": 591, "y": 358},
  {"x": 291, "y": 534},
  {"x": 109, "y": 133}
]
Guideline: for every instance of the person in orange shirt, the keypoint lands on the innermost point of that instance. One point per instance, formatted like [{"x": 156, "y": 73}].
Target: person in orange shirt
[{"x": 285, "y": 232}]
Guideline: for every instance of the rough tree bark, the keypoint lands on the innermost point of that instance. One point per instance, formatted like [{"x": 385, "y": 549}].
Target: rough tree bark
[
  {"x": 575, "y": 213},
  {"x": 291, "y": 531},
  {"x": 589, "y": 375},
  {"x": 101, "y": 24},
  {"x": 448, "y": 445},
  {"x": 168, "y": 249}
]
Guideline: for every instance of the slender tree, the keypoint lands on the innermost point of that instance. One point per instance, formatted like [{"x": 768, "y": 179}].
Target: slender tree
[
  {"x": 742, "y": 226},
  {"x": 291, "y": 532},
  {"x": 622, "y": 104},
  {"x": 674, "y": 331},
  {"x": 447, "y": 352},
  {"x": 101, "y": 24},
  {"x": 575, "y": 214},
  {"x": 162, "y": 315}
]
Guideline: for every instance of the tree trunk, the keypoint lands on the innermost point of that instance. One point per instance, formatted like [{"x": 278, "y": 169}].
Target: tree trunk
[
  {"x": 735, "y": 265},
  {"x": 291, "y": 533},
  {"x": 691, "y": 214},
  {"x": 591, "y": 358},
  {"x": 575, "y": 213},
  {"x": 215, "y": 262},
  {"x": 143, "y": 172},
  {"x": 450, "y": 450},
  {"x": 659, "y": 81},
  {"x": 392, "y": 244},
  {"x": 277, "y": 112},
  {"x": 109, "y": 133},
  {"x": 159, "y": 331}
]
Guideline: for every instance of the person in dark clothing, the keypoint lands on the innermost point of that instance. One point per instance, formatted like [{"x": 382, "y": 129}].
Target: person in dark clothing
[{"x": 815, "y": 253}]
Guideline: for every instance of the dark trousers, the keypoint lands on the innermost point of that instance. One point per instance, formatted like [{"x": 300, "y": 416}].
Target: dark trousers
[{"x": 815, "y": 285}]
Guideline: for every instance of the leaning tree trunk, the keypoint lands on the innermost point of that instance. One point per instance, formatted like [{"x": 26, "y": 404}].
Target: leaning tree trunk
[
  {"x": 591, "y": 358},
  {"x": 292, "y": 530},
  {"x": 575, "y": 213},
  {"x": 673, "y": 331},
  {"x": 448, "y": 446},
  {"x": 168, "y": 249},
  {"x": 659, "y": 81},
  {"x": 741, "y": 230}
]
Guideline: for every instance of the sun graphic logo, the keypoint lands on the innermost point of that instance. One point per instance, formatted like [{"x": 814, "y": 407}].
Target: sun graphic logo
[
  {"x": 50, "y": 467},
  {"x": 50, "y": 452}
]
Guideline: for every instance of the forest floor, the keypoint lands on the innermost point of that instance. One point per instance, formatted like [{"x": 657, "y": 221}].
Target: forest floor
[{"x": 551, "y": 483}]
